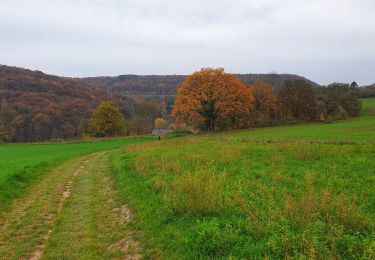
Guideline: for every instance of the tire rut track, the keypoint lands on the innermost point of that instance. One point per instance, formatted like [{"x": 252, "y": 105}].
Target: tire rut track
[
  {"x": 36, "y": 255},
  {"x": 26, "y": 228},
  {"x": 33, "y": 226}
]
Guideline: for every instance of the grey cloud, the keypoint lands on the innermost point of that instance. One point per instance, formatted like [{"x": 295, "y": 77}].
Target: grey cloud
[{"x": 324, "y": 40}]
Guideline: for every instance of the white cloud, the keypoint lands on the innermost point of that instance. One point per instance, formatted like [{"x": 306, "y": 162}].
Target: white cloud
[{"x": 326, "y": 41}]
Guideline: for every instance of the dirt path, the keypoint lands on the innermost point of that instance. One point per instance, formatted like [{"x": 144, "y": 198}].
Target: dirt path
[{"x": 73, "y": 213}]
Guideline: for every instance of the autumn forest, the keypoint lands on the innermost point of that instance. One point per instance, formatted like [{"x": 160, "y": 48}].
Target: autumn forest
[{"x": 38, "y": 107}]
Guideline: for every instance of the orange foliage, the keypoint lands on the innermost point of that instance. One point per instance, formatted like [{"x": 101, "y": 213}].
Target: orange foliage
[
  {"x": 212, "y": 99},
  {"x": 265, "y": 105}
]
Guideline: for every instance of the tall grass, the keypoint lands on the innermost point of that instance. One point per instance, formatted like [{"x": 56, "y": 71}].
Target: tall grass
[
  {"x": 199, "y": 192},
  {"x": 293, "y": 192},
  {"x": 279, "y": 199},
  {"x": 309, "y": 205}
]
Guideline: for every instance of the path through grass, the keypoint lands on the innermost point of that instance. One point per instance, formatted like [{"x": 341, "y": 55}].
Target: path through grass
[
  {"x": 22, "y": 165},
  {"x": 72, "y": 213}
]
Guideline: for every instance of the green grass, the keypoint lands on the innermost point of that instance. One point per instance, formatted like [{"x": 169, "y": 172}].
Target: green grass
[
  {"x": 354, "y": 130},
  {"x": 23, "y": 164},
  {"x": 368, "y": 107},
  {"x": 91, "y": 224},
  {"x": 361, "y": 129},
  {"x": 301, "y": 191},
  {"x": 24, "y": 227},
  {"x": 297, "y": 191}
]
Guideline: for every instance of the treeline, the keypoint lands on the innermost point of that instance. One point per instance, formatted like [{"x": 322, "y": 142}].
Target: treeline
[
  {"x": 159, "y": 85},
  {"x": 367, "y": 91},
  {"x": 298, "y": 101},
  {"x": 211, "y": 99},
  {"x": 38, "y": 107}
]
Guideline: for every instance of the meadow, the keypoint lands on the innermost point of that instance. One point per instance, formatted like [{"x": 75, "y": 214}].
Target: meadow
[
  {"x": 298, "y": 191},
  {"x": 24, "y": 164},
  {"x": 361, "y": 129}
]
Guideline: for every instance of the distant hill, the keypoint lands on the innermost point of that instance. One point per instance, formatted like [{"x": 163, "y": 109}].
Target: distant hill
[
  {"x": 168, "y": 85},
  {"x": 36, "y": 106},
  {"x": 158, "y": 88}
]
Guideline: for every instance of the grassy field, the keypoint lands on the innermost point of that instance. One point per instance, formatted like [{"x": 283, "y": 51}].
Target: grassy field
[
  {"x": 361, "y": 129},
  {"x": 368, "y": 107},
  {"x": 302, "y": 191},
  {"x": 22, "y": 164},
  {"x": 297, "y": 191}
]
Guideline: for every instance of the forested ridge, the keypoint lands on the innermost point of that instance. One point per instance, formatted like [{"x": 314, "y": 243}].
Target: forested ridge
[
  {"x": 169, "y": 84},
  {"x": 38, "y": 107},
  {"x": 367, "y": 91}
]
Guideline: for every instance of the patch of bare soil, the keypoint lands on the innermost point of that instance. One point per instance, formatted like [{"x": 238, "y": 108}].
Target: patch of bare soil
[
  {"x": 126, "y": 215},
  {"x": 130, "y": 246}
]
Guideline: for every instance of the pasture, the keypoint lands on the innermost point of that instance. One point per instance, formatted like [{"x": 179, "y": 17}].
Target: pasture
[{"x": 298, "y": 191}]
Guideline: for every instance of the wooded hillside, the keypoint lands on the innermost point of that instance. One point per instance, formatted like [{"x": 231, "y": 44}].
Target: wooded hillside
[
  {"x": 37, "y": 107},
  {"x": 367, "y": 91},
  {"x": 169, "y": 84}
]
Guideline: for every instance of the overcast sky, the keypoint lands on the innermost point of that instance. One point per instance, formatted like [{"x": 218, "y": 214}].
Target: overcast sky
[{"x": 323, "y": 40}]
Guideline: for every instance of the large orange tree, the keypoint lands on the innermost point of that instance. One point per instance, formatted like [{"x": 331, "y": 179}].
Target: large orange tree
[{"x": 212, "y": 99}]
